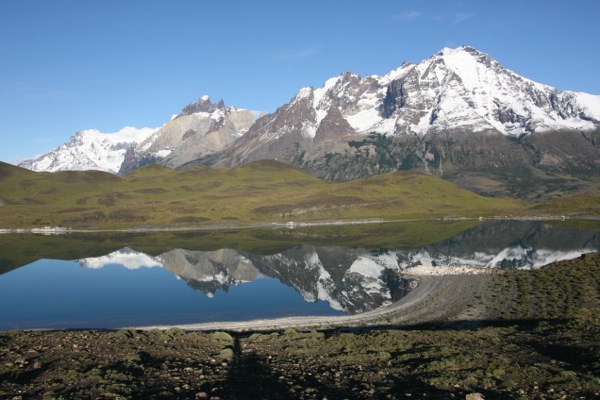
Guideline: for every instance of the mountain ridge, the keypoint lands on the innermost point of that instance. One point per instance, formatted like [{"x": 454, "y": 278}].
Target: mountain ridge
[
  {"x": 202, "y": 126},
  {"x": 436, "y": 117},
  {"x": 459, "y": 115}
]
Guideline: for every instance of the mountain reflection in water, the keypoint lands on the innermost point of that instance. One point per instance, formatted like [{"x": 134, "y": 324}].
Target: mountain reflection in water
[
  {"x": 295, "y": 279},
  {"x": 349, "y": 280},
  {"x": 354, "y": 280}
]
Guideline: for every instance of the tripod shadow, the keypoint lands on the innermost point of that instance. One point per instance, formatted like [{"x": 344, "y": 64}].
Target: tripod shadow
[{"x": 251, "y": 377}]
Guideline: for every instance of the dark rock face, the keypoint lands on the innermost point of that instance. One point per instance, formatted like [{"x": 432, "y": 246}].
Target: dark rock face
[
  {"x": 394, "y": 99},
  {"x": 524, "y": 168},
  {"x": 136, "y": 159},
  {"x": 543, "y": 165}
]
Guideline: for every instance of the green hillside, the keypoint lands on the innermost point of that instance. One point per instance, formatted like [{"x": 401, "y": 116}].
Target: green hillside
[{"x": 257, "y": 193}]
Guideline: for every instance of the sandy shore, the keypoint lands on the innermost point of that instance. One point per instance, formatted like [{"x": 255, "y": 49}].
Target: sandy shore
[{"x": 437, "y": 297}]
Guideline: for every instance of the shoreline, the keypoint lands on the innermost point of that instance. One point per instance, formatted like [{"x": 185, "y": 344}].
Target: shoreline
[
  {"x": 438, "y": 296},
  {"x": 434, "y": 298},
  {"x": 442, "y": 293},
  {"x": 57, "y": 230}
]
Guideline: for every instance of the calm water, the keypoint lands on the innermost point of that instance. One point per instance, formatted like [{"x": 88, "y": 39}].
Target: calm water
[{"x": 134, "y": 279}]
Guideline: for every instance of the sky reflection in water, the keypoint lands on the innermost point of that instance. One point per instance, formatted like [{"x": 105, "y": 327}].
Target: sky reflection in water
[
  {"x": 180, "y": 286},
  {"x": 62, "y": 294}
]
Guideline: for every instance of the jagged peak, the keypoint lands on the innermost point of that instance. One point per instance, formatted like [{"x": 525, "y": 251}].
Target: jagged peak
[
  {"x": 331, "y": 85},
  {"x": 303, "y": 93},
  {"x": 396, "y": 73},
  {"x": 203, "y": 104},
  {"x": 341, "y": 79}
]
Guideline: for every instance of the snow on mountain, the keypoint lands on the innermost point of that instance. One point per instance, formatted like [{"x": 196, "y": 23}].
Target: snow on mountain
[
  {"x": 519, "y": 257},
  {"x": 201, "y": 128},
  {"x": 437, "y": 117},
  {"x": 209, "y": 271},
  {"x": 455, "y": 88},
  {"x": 126, "y": 257},
  {"x": 91, "y": 149},
  {"x": 430, "y": 116}
]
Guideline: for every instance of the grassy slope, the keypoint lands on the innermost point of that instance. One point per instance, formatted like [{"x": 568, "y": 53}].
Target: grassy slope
[
  {"x": 260, "y": 192},
  {"x": 585, "y": 204}
]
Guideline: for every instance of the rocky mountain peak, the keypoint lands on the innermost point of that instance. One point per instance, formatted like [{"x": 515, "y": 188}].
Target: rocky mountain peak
[
  {"x": 203, "y": 104},
  {"x": 355, "y": 126}
]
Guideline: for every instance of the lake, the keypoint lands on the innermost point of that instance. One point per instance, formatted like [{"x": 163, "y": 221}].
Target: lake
[{"x": 111, "y": 280}]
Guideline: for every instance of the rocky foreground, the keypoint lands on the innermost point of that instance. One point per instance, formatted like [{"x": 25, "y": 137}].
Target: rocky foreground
[{"x": 519, "y": 334}]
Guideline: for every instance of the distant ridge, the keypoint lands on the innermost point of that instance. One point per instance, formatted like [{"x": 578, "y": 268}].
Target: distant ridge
[{"x": 202, "y": 127}]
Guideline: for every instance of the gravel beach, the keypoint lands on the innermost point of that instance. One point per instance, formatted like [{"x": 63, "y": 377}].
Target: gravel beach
[{"x": 442, "y": 294}]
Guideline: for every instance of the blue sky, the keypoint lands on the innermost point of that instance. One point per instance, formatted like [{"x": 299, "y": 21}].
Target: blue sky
[{"x": 67, "y": 65}]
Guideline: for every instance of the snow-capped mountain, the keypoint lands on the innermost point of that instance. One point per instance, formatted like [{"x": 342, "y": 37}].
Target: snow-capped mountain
[
  {"x": 456, "y": 113},
  {"x": 209, "y": 271},
  {"x": 354, "y": 279},
  {"x": 458, "y": 88},
  {"x": 463, "y": 88},
  {"x": 126, "y": 257},
  {"x": 459, "y": 115},
  {"x": 91, "y": 149},
  {"x": 201, "y": 128}
]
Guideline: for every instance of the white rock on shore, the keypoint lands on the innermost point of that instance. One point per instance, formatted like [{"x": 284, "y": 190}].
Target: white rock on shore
[{"x": 447, "y": 270}]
